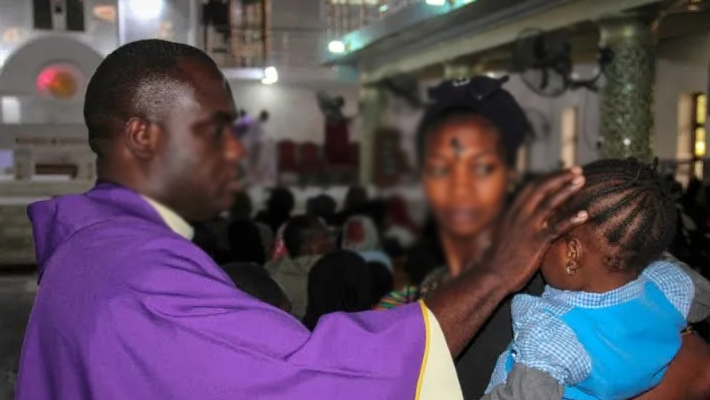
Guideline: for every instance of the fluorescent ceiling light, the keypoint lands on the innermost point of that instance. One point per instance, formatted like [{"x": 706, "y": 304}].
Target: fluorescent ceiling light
[
  {"x": 271, "y": 76},
  {"x": 146, "y": 9},
  {"x": 336, "y": 46}
]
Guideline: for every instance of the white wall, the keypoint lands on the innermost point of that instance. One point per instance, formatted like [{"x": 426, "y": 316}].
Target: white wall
[
  {"x": 293, "y": 108},
  {"x": 545, "y": 154},
  {"x": 175, "y": 21}
]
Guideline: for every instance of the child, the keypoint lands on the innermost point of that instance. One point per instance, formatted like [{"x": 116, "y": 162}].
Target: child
[{"x": 610, "y": 320}]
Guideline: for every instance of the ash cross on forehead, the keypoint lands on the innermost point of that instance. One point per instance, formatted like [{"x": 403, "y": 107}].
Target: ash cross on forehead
[{"x": 456, "y": 147}]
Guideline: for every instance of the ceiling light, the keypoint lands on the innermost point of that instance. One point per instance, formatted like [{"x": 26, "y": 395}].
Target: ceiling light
[
  {"x": 436, "y": 2},
  {"x": 105, "y": 13},
  {"x": 146, "y": 9},
  {"x": 271, "y": 76},
  {"x": 336, "y": 46}
]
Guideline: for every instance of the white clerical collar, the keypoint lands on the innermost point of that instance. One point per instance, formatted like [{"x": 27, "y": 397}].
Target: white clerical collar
[{"x": 174, "y": 221}]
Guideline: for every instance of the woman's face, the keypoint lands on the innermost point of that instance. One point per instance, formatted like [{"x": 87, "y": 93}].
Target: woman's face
[{"x": 466, "y": 177}]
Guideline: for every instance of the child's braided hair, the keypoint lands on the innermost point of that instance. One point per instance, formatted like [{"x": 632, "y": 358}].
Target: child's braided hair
[{"x": 633, "y": 208}]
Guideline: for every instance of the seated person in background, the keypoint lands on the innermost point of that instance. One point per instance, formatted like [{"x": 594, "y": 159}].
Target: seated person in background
[
  {"x": 399, "y": 227},
  {"x": 306, "y": 239},
  {"x": 322, "y": 206},
  {"x": 278, "y": 247},
  {"x": 242, "y": 207},
  {"x": 278, "y": 208},
  {"x": 205, "y": 239},
  {"x": 267, "y": 239},
  {"x": 254, "y": 280},
  {"x": 355, "y": 199},
  {"x": 610, "y": 320},
  {"x": 339, "y": 281},
  {"x": 245, "y": 243},
  {"x": 382, "y": 281},
  {"x": 360, "y": 235}
]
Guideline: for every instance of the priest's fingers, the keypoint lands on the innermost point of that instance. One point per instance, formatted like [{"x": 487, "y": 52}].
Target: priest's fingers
[{"x": 534, "y": 194}]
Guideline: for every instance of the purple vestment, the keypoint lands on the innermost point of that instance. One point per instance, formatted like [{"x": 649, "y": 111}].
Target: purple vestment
[{"x": 128, "y": 309}]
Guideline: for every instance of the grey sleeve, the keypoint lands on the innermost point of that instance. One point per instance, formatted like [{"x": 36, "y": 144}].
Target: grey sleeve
[
  {"x": 525, "y": 383},
  {"x": 700, "y": 307}
]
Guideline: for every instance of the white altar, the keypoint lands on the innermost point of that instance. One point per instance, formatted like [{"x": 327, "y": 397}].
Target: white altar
[{"x": 47, "y": 161}]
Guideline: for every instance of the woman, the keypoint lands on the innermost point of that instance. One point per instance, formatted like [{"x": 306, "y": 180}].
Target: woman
[{"x": 468, "y": 141}]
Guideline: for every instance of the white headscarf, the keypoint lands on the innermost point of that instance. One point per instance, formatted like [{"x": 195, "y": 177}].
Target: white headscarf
[{"x": 360, "y": 234}]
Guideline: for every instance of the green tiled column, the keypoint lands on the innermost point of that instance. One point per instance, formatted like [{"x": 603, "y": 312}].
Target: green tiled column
[{"x": 627, "y": 97}]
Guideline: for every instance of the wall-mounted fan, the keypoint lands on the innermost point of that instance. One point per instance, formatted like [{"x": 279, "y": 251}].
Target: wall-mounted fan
[
  {"x": 405, "y": 87},
  {"x": 544, "y": 62}
]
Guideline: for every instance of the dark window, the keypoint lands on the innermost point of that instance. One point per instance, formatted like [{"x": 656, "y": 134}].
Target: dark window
[
  {"x": 75, "y": 15},
  {"x": 216, "y": 13},
  {"x": 72, "y": 11},
  {"x": 42, "y": 14}
]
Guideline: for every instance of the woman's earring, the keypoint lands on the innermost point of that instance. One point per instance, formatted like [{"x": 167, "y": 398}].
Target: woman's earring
[{"x": 572, "y": 267}]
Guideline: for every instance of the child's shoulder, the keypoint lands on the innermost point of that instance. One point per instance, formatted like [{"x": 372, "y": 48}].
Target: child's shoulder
[
  {"x": 526, "y": 306},
  {"x": 666, "y": 272},
  {"x": 543, "y": 341},
  {"x": 675, "y": 284},
  {"x": 532, "y": 313}
]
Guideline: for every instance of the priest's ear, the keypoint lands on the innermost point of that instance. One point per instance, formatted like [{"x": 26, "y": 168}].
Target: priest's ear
[{"x": 142, "y": 137}]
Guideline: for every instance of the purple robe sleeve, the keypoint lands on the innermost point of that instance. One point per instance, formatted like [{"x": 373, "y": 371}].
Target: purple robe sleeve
[{"x": 180, "y": 330}]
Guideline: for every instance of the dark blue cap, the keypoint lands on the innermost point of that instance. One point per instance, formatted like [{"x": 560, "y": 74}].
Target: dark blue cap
[{"x": 484, "y": 96}]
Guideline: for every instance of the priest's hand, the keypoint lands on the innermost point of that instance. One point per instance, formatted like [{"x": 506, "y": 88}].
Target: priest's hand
[{"x": 521, "y": 240}]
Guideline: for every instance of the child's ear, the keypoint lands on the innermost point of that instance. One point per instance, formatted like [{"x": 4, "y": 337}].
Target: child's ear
[{"x": 574, "y": 249}]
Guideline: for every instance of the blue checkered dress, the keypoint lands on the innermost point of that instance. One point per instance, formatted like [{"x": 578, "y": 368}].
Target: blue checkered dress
[{"x": 612, "y": 345}]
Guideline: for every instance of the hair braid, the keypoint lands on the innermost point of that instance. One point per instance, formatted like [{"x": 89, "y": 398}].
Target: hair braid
[{"x": 633, "y": 209}]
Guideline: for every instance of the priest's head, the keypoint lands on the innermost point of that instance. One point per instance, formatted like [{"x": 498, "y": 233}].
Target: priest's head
[{"x": 159, "y": 116}]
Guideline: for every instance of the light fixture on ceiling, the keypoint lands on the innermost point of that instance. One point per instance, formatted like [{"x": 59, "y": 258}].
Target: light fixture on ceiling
[
  {"x": 11, "y": 35},
  {"x": 146, "y": 9},
  {"x": 336, "y": 47},
  {"x": 436, "y": 2},
  {"x": 105, "y": 12},
  {"x": 271, "y": 76}
]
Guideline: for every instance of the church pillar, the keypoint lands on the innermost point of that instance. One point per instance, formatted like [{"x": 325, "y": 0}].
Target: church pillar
[{"x": 627, "y": 96}]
